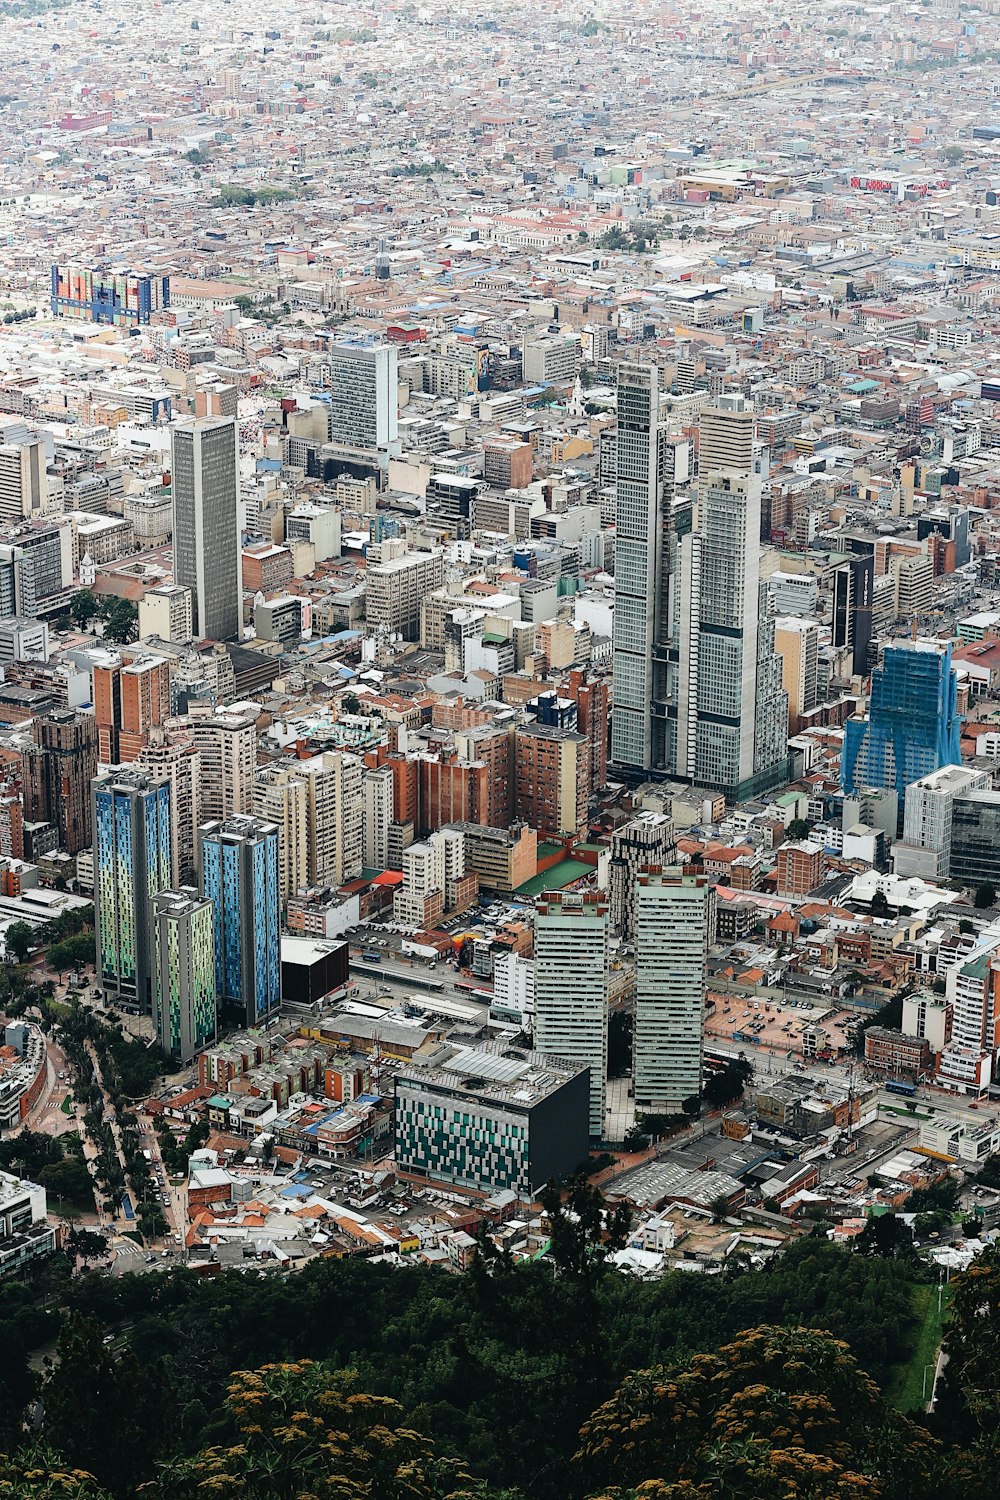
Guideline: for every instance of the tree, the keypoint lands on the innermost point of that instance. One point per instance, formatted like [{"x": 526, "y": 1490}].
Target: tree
[
  {"x": 779, "y": 1412},
  {"x": 985, "y": 896},
  {"x": 635, "y": 1139},
  {"x": 798, "y": 828},
  {"x": 886, "y": 1235},
  {"x": 19, "y": 938},
  {"x": 87, "y": 1245},
  {"x": 965, "y": 926},
  {"x": 880, "y": 905},
  {"x": 584, "y": 1229},
  {"x": 102, "y": 1412},
  {"x": 83, "y": 607},
  {"x": 953, "y": 155},
  {"x": 292, "y": 1430},
  {"x": 122, "y": 624}
]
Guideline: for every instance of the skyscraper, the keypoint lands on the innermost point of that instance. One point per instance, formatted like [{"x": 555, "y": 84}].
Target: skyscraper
[
  {"x": 281, "y": 796},
  {"x": 132, "y": 863},
  {"x": 726, "y": 437},
  {"x": 184, "y": 1002},
  {"x": 172, "y": 754},
  {"x": 671, "y": 943},
  {"x": 56, "y": 774},
  {"x": 650, "y": 467},
  {"x": 239, "y": 872},
  {"x": 647, "y": 840},
  {"x": 364, "y": 401},
  {"x": 205, "y": 481},
  {"x": 853, "y": 584},
  {"x": 697, "y": 684},
  {"x": 913, "y": 723},
  {"x": 571, "y": 988}
]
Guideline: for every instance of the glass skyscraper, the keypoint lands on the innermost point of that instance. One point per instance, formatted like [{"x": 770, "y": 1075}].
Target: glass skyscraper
[
  {"x": 132, "y": 863},
  {"x": 913, "y": 725},
  {"x": 239, "y": 873}
]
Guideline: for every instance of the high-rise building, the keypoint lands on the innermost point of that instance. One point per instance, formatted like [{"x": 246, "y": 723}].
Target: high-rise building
[
  {"x": 726, "y": 437},
  {"x": 129, "y": 701},
  {"x": 853, "y": 586},
  {"x": 926, "y": 846},
  {"x": 205, "y": 484},
  {"x": 590, "y": 694},
  {"x": 376, "y": 788},
  {"x": 56, "y": 774},
  {"x": 364, "y": 399},
  {"x": 238, "y": 870},
  {"x": 551, "y": 779},
  {"x": 184, "y": 1002},
  {"x": 645, "y": 841},
  {"x": 913, "y": 723},
  {"x": 671, "y": 944},
  {"x": 974, "y": 838},
  {"x": 23, "y": 483},
  {"x": 571, "y": 988},
  {"x": 171, "y": 754},
  {"x": 227, "y": 743},
  {"x": 132, "y": 864},
  {"x": 280, "y": 796},
  {"x": 650, "y": 467},
  {"x": 797, "y": 643}
]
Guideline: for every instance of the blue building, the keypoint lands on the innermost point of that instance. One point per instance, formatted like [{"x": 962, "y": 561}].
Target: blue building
[
  {"x": 913, "y": 723},
  {"x": 238, "y": 864},
  {"x": 132, "y": 864}
]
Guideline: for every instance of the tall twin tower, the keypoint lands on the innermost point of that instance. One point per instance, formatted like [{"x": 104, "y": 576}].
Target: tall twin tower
[{"x": 697, "y": 683}]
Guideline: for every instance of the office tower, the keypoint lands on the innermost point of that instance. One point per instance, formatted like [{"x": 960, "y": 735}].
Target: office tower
[
  {"x": 227, "y": 743},
  {"x": 732, "y": 712},
  {"x": 364, "y": 400},
  {"x": 129, "y": 701},
  {"x": 238, "y": 872},
  {"x": 925, "y": 848},
  {"x": 853, "y": 584},
  {"x": 435, "y": 879},
  {"x": 205, "y": 482},
  {"x": 184, "y": 1002},
  {"x": 171, "y": 754},
  {"x": 56, "y": 773},
  {"x": 551, "y": 779},
  {"x": 914, "y": 586},
  {"x": 671, "y": 945},
  {"x": 23, "y": 483},
  {"x": 280, "y": 796},
  {"x": 376, "y": 791},
  {"x": 396, "y": 583},
  {"x": 797, "y": 643},
  {"x": 645, "y": 841},
  {"x": 490, "y": 1117},
  {"x": 650, "y": 467},
  {"x": 726, "y": 437},
  {"x": 571, "y": 988},
  {"x": 974, "y": 838},
  {"x": 132, "y": 863},
  {"x": 913, "y": 724},
  {"x": 36, "y": 565}
]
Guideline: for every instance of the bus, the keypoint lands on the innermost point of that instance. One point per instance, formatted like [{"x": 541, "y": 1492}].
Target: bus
[{"x": 901, "y": 1086}]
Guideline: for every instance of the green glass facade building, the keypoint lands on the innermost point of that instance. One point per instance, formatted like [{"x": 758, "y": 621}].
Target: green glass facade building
[{"x": 184, "y": 999}]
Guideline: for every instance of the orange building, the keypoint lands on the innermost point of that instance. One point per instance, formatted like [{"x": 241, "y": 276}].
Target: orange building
[
  {"x": 592, "y": 698},
  {"x": 129, "y": 701}
]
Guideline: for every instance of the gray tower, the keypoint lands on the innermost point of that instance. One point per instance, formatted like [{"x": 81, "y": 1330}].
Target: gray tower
[{"x": 205, "y": 481}]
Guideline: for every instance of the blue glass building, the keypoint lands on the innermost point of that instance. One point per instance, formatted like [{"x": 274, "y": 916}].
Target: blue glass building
[
  {"x": 913, "y": 724},
  {"x": 132, "y": 863},
  {"x": 239, "y": 873}
]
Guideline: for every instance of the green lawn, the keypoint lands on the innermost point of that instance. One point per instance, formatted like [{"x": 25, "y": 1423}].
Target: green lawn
[
  {"x": 67, "y": 1105},
  {"x": 906, "y": 1385}
]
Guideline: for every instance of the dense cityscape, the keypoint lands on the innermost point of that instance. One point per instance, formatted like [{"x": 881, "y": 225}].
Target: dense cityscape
[{"x": 499, "y": 751}]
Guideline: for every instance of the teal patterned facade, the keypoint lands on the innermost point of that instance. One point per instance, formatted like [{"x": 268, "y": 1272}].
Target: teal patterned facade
[
  {"x": 184, "y": 997},
  {"x": 132, "y": 863}
]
